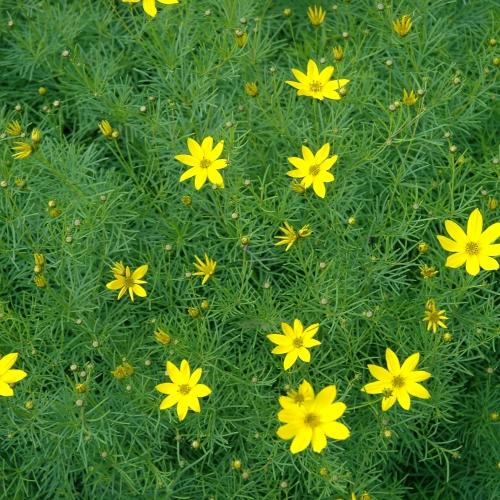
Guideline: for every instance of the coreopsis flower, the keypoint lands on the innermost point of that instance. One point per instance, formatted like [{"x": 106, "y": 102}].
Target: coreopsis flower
[
  {"x": 295, "y": 342},
  {"x": 162, "y": 337},
  {"x": 316, "y": 15},
  {"x": 9, "y": 376},
  {"x": 149, "y": 6},
  {"x": 287, "y": 12},
  {"x": 251, "y": 89},
  {"x": 423, "y": 247},
  {"x": 290, "y": 236},
  {"x": 36, "y": 136},
  {"x": 124, "y": 370},
  {"x": 39, "y": 262},
  {"x": 183, "y": 390},
  {"x": 22, "y": 150},
  {"x": 40, "y": 281},
  {"x": 428, "y": 272},
  {"x": 204, "y": 162},
  {"x": 311, "y": 422},
  {"x": 205, "y": 269},
  {"x": 106, "y": 129},
  {"x": 129, "y": 282},
  {"x": 118, "y": 269},
  {"x": 14, "y": 129},
  {"x": 402, "y": 26},
  {"x": 409, "y": 98},
  {"x": 314, "y": 168},
  {"x": 434, "y": 317},
  {"x": 475, "y": 248},
  {"x": 398, "y": 382},
  {"x": 338, "y": 53},
  {"x": 241, "y": 38},
  {"x": 315, "y": 84},
  {"x": 303, "y": 394}
]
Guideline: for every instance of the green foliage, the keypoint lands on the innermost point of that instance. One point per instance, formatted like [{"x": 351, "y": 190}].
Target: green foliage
[{"x": 395, "y": 175}]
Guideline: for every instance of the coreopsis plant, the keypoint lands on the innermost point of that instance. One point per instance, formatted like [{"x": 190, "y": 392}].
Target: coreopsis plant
[
  {"x": 295, "y": 342},
  {"x": 205, "y": 269},
  {"x": 149, "y": 6},
  {"x": 316, "y": 15},
  {"x": 316, "y": 84},
  {"x": 398, "y": 382},
  {"x": 9, "y": 376},
  {"x": 313, "y": 168},
  {"x": 183, "y": 390},
  {"x": 204, "y": 162},
  {"x": 474, "y": 248},
  {"x": 128, "y": 281},
  {"x": 313, "y": 420}
]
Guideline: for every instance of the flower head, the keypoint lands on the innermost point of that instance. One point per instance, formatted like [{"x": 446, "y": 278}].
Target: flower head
[
  {"x": 338, "y": 53},
  {"x": 315, "y": 84},
  {"x": 402, "y": 26},
  {"x": 204, "y": 162},
  {"x": 398, "y": 382},
  {"x": 311, "y": 422},
  {"x": 122, "y": 371},
  {"x": 184, "y": 389},
  {"x": 118, "y": 269},
  {"x": 474, "y": 248},
  {"x": 22, "y": 150},
  {"x": 314, "y": 168},
  {"x": 162, "y": 337},
  {"x": 129, "y": 281},
  {"x": 107, "y": 130},
  {"x": 39, "y": 262},
  {"x": 14, "y": 129},
  {"x": 409, "y": 98},
  {"x": 205, "y": 269},
  {"x": 149, "y": 6},
  {"x": 316, "y": 15},
  {"x": 251, "y": 89},
  {"x": 36, "y": 136},
  {"x": 304, "y": 393},
  {"x": 241, "y": 38},
  {"x": 428, "y": 272},
  {"x": 8, "y": 376},
  {"x": 295, "y": 342},
  {"x": 290, "y": 236},
  {"x": 434, "y": 317}
]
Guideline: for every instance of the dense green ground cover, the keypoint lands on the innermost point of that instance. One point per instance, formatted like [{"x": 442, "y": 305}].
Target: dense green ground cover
[{"x": 400, "y": 174}]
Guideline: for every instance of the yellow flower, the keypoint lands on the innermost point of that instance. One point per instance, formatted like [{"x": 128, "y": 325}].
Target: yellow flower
[
  {"x": 130, "y": 281},
  {"x": 287, "y": 12},
  {"x": 428, "y": 272},
  {"x": 476, "y": 248},
  {"x": 313, "y": 421},
  {"x": 313, "y": 168},
  {"x": 316, "y": 15},
  {"x": 8, "y": 376},
  {"x": 162, "y": 337},
  {"x": 107, "y": 130},
  {"x": 290, "y": 236},
  {"x": 184, "y": 389},
  {"x": 315, "y": 84},
  {"x": 295, "y": 342},
  {"x": 14, "y": 129},
  {"x": 22, "y": 150},
  {"x": 205, "y": 269},
  {"x": 39, "y": 262},
  {"x": 81, "y": 388},
  {"x": 409, "y": 98},
  {"x": 251, "y": 89},
  {"x": 40, "y": 281},
  {"x": 433, "y": 316},
  {"x": 241, "y": 38},
  {"x": 304, "y": 393},
  {"x": 402, "y": 26},
  {"x": 423, "y": 247},
  {"x": 338, "y": 53},
  {"x": 36, "y": 136},
  {"x": 398, "y": 383},
  {"x": 123, "y": 371},
  {"x": 149, "y": 6},
  {"x": 204, "y": 162}
]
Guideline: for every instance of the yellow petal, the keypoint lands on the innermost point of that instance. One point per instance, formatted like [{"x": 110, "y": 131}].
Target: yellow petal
[
  {"x": 392, "y": 361},
  {"x": 287, "y": 431},
  {"x": 201, "y": 390},
  {"x": 200, "y": 178},
  {"x": 418, "y": 390},
  {"x": 475, "y": 225},
  {"x": 195, "y": 377},
  {"x": 278, "y": 339},
  {"x": 418, "y": 376},
  {"x": 403, "y": 399},
  {"x": 490, "y": 234},
  {"x": 7, "y": 362},
  {"x": 380, "y": 373},
  {"x": 326, "y": 396},
  {"x": 312, "y": 70},
  {"x": 456, "y": 260},
  {"x": 304, "y": 355},
  {"x": 319, "y": 188},
  {"x": 290, "y": 359},
  {"x": 170, "y": 401},
  {"x": 318, "y": 440},
  {"x": 13, "y": 376},
  {"x": 194, "y": 148},
  {"x": 375, "y": 387},
  {"x": 488, "y": 263},
  {"x": 140, "y": 272},
  {"x": 336, "y": 430},
  {"x": 410, "y": 364},
  {"x": 174, "y": 373},
  {"x": 188, "y": 160},
  {"x": 449, "y": 245},
  {"x": 455, "y": 231},
  {"x": 301, "y": 440},
  {"x": 322, "y": 154},
  {"x": 207, "y": 145},
  {"x": 472, "y": 265},
  {"x": 217, "y": 151},
  {"x": 167, "y": 388},
  {"x": 6, "y": 390},
  {"x": 115, "y": 284},
  {"x": 387, "y": 403},
  {"x": 182, "y": 409},
  {"x": 149, "y": 7},
  {"x": 492, "y": 250}
]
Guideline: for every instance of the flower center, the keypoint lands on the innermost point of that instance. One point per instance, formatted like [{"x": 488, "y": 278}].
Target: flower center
[
  {"x": 311, "y": 420},
  {"x": 128, "y": 281},
  {"x": 298, "y": 342},
  {"x": 433, "y": 316},
  {"x": 472, "y": 248},
  {"x": 316, "y": 86},
  {"x": 205, "y": 163},
  {"x": 184, "y": 389},
  {"x": 398, "y": 381},
  {"x": 314, "y": 170}
]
